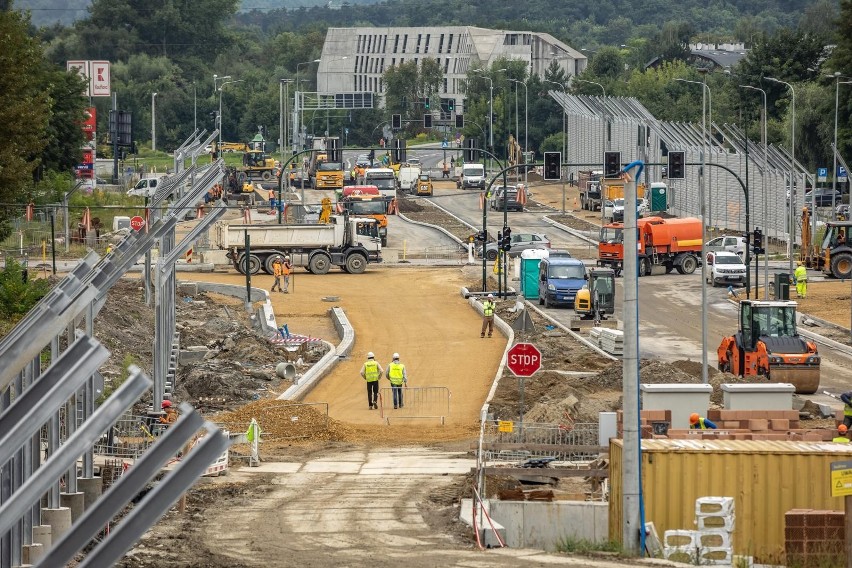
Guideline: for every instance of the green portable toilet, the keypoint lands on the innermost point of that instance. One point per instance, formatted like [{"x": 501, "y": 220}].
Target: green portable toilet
[
  {"x": 530, "y": 260},
  {"x": 659, "y": 197}
]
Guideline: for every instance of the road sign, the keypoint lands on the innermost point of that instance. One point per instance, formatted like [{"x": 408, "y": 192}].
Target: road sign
[
  {"x": 822, "y": 174},
  {"x": 841, "y": 478},
  {"x": 524, "y": 359},
  {"x": 137, "y": 222},
  {"x": 505, "y": 426},
  {"x": 445, "y": 144},
  {"x": 841, "y": 174}
]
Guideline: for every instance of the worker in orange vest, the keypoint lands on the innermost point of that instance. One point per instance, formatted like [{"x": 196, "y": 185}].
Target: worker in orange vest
[
  {"x": 286, "y": 269},
  {"x": 272, "y": 199}
]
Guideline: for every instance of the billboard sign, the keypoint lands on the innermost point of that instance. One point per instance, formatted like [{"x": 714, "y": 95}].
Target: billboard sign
[
  {"x": 82, "y": 68},
  {"x": 100, "y": 78}
]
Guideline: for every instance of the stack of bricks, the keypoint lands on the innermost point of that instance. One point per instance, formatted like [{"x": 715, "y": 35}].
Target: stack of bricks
[
  {"x": 814, "y": 538},
  {"x": 774, "y": 425},
  {"x": 648, "y": 418},
  {"x": 714, "y": 537}
]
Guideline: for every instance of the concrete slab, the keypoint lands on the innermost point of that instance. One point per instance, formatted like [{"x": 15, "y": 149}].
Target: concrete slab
[
  {"x": 273, "y": 467},
  {"x": 331, "y": 467}
]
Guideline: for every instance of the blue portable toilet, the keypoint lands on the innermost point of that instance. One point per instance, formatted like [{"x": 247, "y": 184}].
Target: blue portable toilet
[{"x": 529, "y": 271}]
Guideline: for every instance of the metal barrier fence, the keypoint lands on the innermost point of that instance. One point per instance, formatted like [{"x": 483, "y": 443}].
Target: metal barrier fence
[
  {"x": 130, "y": 436},
  {"x": 530, "y": 440},
  {"x": 456, "y": 253},
  {"x": 418, "y": 402}
]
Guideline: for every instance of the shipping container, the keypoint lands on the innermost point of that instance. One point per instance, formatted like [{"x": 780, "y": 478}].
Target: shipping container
[{"x": 765, "y": 478}]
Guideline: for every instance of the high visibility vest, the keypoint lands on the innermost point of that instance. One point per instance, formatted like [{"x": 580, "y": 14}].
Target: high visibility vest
[
  {"x": 277, "y": 269},
  {"x": 488, "y": 308},
  {"x": 841, "y": 440},
  {"x": 396, "y": 372},
  {"x": 801, "y": 274},
  {"x": 371, "y": 371},
  {"x": 285, "y": 268},
  {"x": 847, "y": 410},
  {"x": 699, "y": 425}
]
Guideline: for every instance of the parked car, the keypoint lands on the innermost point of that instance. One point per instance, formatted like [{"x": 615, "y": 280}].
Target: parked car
[
  {"x": 842, "y": 212},
  {"x": 506, "y": 198},
  {"x": 618, "y": 209},
  {"x": 736, "y": 245},
  {"x": 725, "y": 268},
  {"x": 823, "y": 197},
  {"x": 519, "y": 242}
]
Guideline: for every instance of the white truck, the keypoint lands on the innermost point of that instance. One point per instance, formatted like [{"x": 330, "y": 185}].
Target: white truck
[
  {"x": 408, "y": 176},
  {"x": 348, "y": 242},
  {"x": 384, "y": 179}
]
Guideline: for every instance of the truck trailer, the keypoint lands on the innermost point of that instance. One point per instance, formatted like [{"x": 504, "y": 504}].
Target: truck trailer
[
  {"x": 673, "y": 244},
  {"x": 348, "y": 242}
]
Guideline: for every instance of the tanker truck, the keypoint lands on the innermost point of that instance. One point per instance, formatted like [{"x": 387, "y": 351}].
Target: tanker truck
[
  {"x": 348, "y": 242},
  {"x": 670, "y": 244}
]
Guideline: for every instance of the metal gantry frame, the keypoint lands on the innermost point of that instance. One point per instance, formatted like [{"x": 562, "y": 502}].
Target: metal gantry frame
[{"x": 31, "y": 398}]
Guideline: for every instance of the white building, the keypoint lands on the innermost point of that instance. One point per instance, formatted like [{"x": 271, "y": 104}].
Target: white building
[{"x": 355, "y": 59}]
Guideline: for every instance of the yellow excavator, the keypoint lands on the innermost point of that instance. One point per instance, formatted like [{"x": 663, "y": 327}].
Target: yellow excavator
[
  {"x": 596, "y": 299},
  {"x": 833, "y": 256}
]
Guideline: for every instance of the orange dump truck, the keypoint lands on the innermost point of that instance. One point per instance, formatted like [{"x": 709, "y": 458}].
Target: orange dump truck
[
  {"x": 673, "y": 244},
  {"x": 366, "y": 201}
]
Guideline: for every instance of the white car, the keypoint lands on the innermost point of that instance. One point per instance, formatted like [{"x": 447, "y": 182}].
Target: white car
[
  {"x": 724, "y": 268},
  {"x": 618, "y": 209},
  {"x": 727, "y": 243}
]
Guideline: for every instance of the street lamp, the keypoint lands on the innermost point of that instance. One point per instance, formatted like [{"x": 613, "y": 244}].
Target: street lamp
[
  {"x": 526, "y": 124},
  {"x": 837, "y": 83},
  {"x": 220, "y": 110},
  {"x": 710, "y": 120},
  {"x": 564, "y": 135},
  {"x": 603, "y": 113},
  {"x": 153, "y": 122},
  {"x": 218, "y": 124},
  {"x": 298, "y": 107},
  {"x": 490, "y": 108},
  {"x": 763, "y": 188},
  {"x": 282, "y": 115},
  {"x": 327, "y": 60},
  {"x": 791, "y": 220}
]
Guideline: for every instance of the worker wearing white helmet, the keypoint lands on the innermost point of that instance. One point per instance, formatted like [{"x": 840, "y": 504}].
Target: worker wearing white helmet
[
  {"x": 397, "y": 377},
  {"x": 286, "y": 269},
  {"x": 277, "y": 272},
  {"x": 487, "y": 315},
  {"x": 372, "y": 372}
]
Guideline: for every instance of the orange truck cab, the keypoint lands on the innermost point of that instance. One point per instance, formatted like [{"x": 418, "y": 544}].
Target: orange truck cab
[
  {"x": 672, "y": 244},
  {"x": 366, "y": 201}
]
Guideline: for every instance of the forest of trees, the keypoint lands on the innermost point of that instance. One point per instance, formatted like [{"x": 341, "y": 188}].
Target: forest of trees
[{"x": 175, "y": 47}]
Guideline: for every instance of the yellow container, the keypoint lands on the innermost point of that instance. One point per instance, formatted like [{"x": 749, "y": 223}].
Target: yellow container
[{"x": 766, "y": 479}]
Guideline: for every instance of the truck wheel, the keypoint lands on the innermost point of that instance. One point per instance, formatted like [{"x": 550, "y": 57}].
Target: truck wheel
[
  {"x": 254, "y": 264},
  {"x": 841, "y": 265},
  {"x": 356, "y": 263},
  {"x": 688, "y": 265},
  {"x": 644, "y": 267},
  {"x": 385, "y": 241},
  {"x": 266, "y": 175},
  {"x": 320, "y": 264}
]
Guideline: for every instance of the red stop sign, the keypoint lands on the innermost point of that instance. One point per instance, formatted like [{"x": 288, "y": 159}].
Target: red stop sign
[
  {"x": 137, "y": 222},
  {"x": 524, "y": 359}
]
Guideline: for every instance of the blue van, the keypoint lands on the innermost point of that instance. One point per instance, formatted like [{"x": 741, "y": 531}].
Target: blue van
[{"x": 559, "y": 279}]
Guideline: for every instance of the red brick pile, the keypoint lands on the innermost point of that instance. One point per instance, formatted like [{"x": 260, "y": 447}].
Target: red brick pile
[
  {"x": 814, "y": 538},
  {"x": 775, "y": 425}
]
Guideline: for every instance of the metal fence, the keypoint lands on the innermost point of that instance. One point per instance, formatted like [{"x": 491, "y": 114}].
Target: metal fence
[
  {"x": 418, "y": 402},
  {"x": 130, "y": 436},
  {"x": 454, "y": 253},
  {"x": 569, "y": 442}
]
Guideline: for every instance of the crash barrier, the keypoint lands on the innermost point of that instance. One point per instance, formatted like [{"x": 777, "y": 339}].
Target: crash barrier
[
  {"x": 418, "y": 402},
  {"x": 130, "y": 436},
  {"x": 516, "y": 441}
]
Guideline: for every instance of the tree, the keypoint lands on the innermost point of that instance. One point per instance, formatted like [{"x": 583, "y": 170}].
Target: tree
[
  {"x": 24, "y": 110},
  {"x": 607, "y": 62},
  {"x": 64, "y": 136},
  {"x": 407, "y": 84}
]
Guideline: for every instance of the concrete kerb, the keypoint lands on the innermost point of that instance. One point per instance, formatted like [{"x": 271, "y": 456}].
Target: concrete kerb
[
  {"x": 569, "y": 230},
  {"x": 573, "y": 334}
]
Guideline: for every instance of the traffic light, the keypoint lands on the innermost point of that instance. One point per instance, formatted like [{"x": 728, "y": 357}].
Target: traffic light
[
  {"x": 471, "y": 152},
  {"x": 396, "y": 121},
  {"x": 451, "y": 104},
  {"x": 426, "y": 103},
  {"x": 427, "y": 120},
  {"x": 676, "y": 168},
  {"x": 758, "y": 241},
  {"x": 506, "y": 242},
  {"x": 612, "y": 164},
  {"x": 552, "y": 166},
  {"x": 459, "y": 121}
]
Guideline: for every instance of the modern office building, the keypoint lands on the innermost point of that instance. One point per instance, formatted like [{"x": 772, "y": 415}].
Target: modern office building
[{"x": 355, "y": 59}]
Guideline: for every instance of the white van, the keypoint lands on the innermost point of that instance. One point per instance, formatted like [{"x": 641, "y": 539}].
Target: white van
[
  {"x": 472, "y": 177},
  {"x": 147, "y": 186},
  {"x": 408, "y": 176}
]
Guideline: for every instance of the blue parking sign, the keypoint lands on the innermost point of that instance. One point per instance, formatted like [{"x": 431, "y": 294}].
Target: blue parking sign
[
  {"x": 841, "y": 173},
  {"x": 822, "y": 174}
]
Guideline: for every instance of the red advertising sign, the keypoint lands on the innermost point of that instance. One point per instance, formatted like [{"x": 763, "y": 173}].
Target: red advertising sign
[
  {"x": 90, "y": 120},
  {"x": 523, "y": 359}
]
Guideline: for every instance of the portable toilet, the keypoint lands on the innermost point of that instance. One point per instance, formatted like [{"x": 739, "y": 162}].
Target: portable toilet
[
  {"x": 529, "y": 271},
  {"x": 659, "y": 200}
]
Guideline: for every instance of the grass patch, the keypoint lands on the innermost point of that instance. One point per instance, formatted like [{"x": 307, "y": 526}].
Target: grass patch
[{"x": 583, "y": 546}]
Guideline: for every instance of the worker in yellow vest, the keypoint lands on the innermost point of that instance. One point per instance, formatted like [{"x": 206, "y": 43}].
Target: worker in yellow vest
[
  {"x": 397, "y": 377},
  {"x": 372, "y": 372},
  {"x": 841, "y": 435},
  {"x": 487, "y": 316},
  {"x": 696, "y": 422},
  {"x": 801, "y": 276}
]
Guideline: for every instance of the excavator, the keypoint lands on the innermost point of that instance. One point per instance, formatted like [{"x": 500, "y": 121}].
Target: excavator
[
  {"x": 833, "y": 256},
  {"x": 596, "y": 299},
  {"x": 767, "y": 346}
]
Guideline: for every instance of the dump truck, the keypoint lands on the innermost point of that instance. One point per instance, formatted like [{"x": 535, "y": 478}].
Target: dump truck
[
  {"x": 833, "y": 256},
  {"x": 768, "y": 347},
  {"x": 590, "y": 189},
  {"x": 348, "y": 242},
  {"x": 670, "y": 244},
  {"x": 366, "y": 201}
]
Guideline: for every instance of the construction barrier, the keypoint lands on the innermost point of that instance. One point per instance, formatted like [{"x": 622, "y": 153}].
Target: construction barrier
[
  {"x": 418, "y": 402},
  {"x": 189, "y": 255},
  {"x": 568, "y": 441}
]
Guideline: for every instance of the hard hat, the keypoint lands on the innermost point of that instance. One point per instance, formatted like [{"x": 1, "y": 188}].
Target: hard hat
[
  {"x": 842, "y": 428},
  {"x": 370, "y": 355},
  {"x": 395, "y": 356},
  {"x": 490, "y": 295},
  {"x": 799, "y": 263},
  {"x": 167, "y": 404},
  {"x": 693, "y": 418},
  {"x": 286, "y": 258}
]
